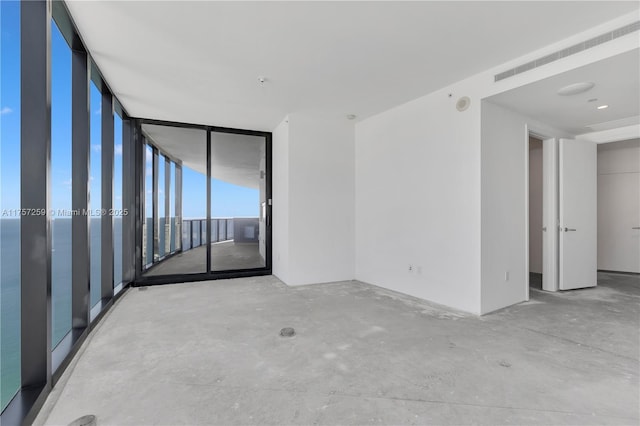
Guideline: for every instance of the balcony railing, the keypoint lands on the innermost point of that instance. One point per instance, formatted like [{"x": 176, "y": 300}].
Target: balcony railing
[{"x": 194, "y": 231}]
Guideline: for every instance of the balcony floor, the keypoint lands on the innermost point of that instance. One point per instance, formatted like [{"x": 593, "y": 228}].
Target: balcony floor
[
  {"x": 225, "y": 256},
  {"x": 210, "y": 353}
]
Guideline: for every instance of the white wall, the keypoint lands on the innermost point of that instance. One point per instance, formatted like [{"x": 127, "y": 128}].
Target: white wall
[
  {"x": 418, "y": 201},
  {"x": 535, "y": 205},
  {"x": 313, "y": 185},
  {"x": 505, "y": 204},
  {"x": 280, "y": 197},
  {"x": 418, "y": 188},
  {"x": 619, "y": 206}
]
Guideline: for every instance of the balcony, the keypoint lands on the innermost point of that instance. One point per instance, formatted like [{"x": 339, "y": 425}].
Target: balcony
[{"x": 234, "y": 246}]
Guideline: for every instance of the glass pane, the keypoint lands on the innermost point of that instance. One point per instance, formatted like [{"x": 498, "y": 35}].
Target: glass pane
[
  {"x": 60, "y": 185},
  {"x": 9, "y": 201},
  {"x": 189, "y": 147},
  {"x": 162, "y": 238},
  {"x": 238, "y": 190},
  {"x": 118, "y": 213},
  {"x": 186, "y": 235},
  {"x": 172, "y": 207},
  {"x": 196, "y": 233},
  {"x": 147, "y": 240},
  {"x": 95, "y": 193}
]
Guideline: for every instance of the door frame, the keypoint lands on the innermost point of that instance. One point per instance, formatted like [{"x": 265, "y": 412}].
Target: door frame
[
  {"x": 146, "y": 280},
  {"x": 532, "y": 130}
]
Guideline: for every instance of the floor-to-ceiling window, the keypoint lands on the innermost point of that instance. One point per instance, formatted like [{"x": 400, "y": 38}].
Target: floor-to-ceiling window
[
  {"x": 61, "y": 181},
  {"x": 172, "y": 207},
  {"x": 95, "y": 192},
  {"x": 147, "y": 228},
  {"x": 55, "y": 160},
  {"x": 161, "y": 221},
  {"x": 9, "y": 201},
  {"x": 118, "y": 211}
]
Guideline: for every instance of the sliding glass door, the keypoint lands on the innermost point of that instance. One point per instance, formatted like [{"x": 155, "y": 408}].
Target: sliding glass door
[
  {"x": 176, "y": 200},
  {"x": 207, "y": 196},
  {"x": 238, "y": 201}
]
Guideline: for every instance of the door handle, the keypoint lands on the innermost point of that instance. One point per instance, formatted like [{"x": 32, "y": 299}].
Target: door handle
[
  {"x": 568, "y": 229},
  {"x": 636, "y": 227}
]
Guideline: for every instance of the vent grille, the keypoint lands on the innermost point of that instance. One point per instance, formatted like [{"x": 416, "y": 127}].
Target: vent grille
[{"x": 572, "y": 50}]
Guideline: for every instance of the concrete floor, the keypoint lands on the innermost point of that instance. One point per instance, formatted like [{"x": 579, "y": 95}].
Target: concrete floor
[
  {"x": 210, "y": 353},
  {"x": 225, "y": 256}
]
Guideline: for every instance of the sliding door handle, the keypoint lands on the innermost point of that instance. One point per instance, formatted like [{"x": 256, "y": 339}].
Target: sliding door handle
[
  {"x": 568, "y": 229},
  {"x": 636, "y": 227}
]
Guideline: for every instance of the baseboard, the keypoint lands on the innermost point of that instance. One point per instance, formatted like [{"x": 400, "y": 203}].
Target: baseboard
[{"x": 619, "y": 272}]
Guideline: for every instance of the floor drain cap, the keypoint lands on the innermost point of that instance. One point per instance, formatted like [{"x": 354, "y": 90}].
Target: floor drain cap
[
  {"x": 88, "y": 420},
  {"x": 287, "y": 332}
]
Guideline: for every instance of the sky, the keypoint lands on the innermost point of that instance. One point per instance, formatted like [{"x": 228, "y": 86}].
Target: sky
[
  {"x": 227, "y": 200},
  {"x": 9, "y": 105}
]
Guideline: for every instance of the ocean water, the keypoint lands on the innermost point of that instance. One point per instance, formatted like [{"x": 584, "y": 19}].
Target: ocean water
[{"x": 61, "y": 258}]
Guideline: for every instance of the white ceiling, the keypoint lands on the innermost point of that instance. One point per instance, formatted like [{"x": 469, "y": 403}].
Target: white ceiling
[
  {"x": 617, "y": 84},
  {"x": 198, "y": 62},
  {"x": 235, "y": 158}
]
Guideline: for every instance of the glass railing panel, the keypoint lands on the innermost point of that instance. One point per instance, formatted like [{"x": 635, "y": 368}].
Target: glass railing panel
[
  {"x": 186, "y": 235},
  {"x": 196, "y": 234}
]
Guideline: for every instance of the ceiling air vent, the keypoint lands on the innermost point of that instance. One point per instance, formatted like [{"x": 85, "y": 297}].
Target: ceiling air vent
[{"x": 627, "y": 29}]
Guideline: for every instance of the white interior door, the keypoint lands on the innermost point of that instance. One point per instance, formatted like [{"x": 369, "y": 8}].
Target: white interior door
[
  {"x": 578, "y": 214},
  {"x": 550, "y": 214},
  {"x": 619, "y": 212}
]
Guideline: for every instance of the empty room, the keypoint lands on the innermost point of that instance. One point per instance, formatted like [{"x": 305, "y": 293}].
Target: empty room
[{"x": 315, "y": 212}]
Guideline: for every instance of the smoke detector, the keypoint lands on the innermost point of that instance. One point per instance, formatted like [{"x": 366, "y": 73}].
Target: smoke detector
[{"x": 463, "y": 103}]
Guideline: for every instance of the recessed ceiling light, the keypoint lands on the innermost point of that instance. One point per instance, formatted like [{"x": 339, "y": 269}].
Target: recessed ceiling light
[
  {"x": 574, "y": 89},
  {"x": 603, "y": 106},
  {"x": 351, "y": 116}
]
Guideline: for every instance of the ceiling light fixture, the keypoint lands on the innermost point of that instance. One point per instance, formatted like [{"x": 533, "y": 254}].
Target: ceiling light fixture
[
  {"x": 603, "y": 106},
  {"x": 351, "y": 116},
  {"x": 574, "y": 89},
  {"x": 592, "y": 100}
]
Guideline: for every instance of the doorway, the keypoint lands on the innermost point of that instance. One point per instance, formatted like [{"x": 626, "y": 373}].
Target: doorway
[
  {"x": 535, "y": 212},
  {"x": 561, "y": 213},
  {"x": 207, "y": 205}
]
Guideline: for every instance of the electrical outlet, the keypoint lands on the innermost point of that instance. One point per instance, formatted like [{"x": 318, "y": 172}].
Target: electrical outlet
[{"x": 410, "y": 268}]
